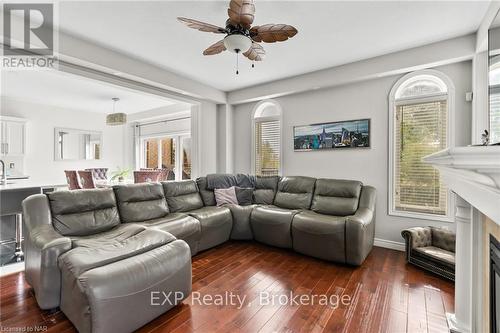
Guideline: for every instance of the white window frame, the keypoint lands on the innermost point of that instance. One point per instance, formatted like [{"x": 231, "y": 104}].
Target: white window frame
[
  {"x": 257, "y": 108},
  {"x": 179, "y": 162},
  {"x": 393, "y": 103}
]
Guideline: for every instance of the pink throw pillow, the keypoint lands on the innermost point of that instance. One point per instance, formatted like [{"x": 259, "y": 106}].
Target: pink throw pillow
[{"x": 225, "y": 196}]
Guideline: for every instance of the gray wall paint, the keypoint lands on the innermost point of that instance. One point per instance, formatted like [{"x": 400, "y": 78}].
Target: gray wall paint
[{"x": 368, "y": 99}]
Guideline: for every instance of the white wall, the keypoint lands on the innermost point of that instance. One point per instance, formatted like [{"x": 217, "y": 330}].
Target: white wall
[
  {"x": 39, "y": 161},
  {"x": 368, "y": 99}
]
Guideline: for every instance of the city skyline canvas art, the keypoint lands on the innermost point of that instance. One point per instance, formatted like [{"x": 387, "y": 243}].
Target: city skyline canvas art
[{"x": 332, "y": 135}]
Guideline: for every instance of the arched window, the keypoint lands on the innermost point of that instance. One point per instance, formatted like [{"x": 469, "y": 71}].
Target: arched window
[
  {"x": 421, "y": 105},
  {"x": 266, "y": 150}
]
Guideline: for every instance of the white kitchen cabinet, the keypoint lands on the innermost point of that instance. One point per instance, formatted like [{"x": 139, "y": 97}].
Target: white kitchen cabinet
[{"x": 12, "y": 136}]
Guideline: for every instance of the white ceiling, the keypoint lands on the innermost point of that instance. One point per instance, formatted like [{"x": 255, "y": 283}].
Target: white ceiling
[
  {"x": 330, "y": 33},
  {"x": 75, "y": 92}
]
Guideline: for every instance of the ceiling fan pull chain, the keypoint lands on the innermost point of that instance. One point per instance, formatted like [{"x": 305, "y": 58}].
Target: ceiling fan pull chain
[{"x": 237, "y": 64}]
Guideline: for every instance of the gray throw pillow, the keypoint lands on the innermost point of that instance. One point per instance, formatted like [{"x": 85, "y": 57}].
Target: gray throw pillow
[
  {"x": 225, "y": 196},
  {"x": 244, "y": 195}
]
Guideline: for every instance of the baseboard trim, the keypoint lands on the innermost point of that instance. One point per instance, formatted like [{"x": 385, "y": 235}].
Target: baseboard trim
[
  {"x": 11, "y": 269},
  {"x": 388, "y": 244}
]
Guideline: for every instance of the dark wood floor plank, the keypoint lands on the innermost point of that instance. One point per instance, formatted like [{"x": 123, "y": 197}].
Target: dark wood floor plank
[{"x": 386, "y": 295}]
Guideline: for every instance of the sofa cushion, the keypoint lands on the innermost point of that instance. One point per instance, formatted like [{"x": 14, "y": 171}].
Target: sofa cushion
[
  {"x": 114, "y": 236},
  {"x": 140, "y": 202},
  {"x": 436, "y": 254},
  {"x": 295, "y": 192},
  {"x": 216, "y": 224},
  {"x": 182, "y": 196},
  {"x": 265, "y": 189},
  {"x": 443, "y": 238},
  {"x": 272, "y": 225},
  {"x": 87, "y": 256},
  {"x": 241, "y": 221},
  {"x": 181, "y": 225},
  {"x": 225, "y": 196},
  {"x": 336, "y": 196},
  {"x": 83, "y": 212},
  {"x": 318, "y": 235},
  {"x": 244, "y": 195},
  {"x": 207, "y": 195}
]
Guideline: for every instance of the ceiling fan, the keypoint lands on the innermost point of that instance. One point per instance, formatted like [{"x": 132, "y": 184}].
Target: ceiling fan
[{"x": 241, "y": 37}]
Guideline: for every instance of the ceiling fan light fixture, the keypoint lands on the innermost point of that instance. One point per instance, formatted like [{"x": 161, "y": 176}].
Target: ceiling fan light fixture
[{"x": 237, "y": 43}]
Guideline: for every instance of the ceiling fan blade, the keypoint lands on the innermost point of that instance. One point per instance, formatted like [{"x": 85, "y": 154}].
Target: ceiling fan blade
[
  {"x": 215, "y": 48},
  {"x": 202, "y": 26},
  {"x": 271, "y": 33},
  {"x": 241, "y": 12},
  {"x": 255, "y": 52}
]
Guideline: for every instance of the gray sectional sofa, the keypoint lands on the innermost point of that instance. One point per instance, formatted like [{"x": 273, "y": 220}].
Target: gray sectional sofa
[{"x": 99, "y": 254}]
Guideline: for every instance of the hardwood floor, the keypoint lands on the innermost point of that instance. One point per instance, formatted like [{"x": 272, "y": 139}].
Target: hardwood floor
[{"x": 383, "y": 295}]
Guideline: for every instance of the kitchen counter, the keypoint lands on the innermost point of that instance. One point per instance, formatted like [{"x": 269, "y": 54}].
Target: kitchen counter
[{"x": 16, "y": 184}]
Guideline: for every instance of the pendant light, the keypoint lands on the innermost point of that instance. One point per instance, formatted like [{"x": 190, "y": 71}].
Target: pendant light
[{"x": 116, "y": 118}]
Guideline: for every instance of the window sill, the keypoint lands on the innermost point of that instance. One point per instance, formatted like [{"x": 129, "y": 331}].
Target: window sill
[{"x": 422, "y": 216}]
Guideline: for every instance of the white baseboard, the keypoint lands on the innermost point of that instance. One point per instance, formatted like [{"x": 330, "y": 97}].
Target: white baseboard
[
  {"x": 11, "y": 268},
  {"x": 388, "y": 244}
]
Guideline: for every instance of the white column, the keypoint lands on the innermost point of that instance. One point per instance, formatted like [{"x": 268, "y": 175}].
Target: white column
[
  {"x": 229, "y": 138},
  {"x": 460, "y": 321}
]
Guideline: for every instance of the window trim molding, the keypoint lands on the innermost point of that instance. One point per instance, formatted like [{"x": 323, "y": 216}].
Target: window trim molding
[
  {"x": 256, "y": 108},
  {"x": 450, "y": 98}
]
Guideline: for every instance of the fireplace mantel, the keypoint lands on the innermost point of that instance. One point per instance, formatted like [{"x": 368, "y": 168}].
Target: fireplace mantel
[{"x": 473, "y": 173}]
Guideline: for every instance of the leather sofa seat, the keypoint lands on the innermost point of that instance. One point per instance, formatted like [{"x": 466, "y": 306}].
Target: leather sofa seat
[
  {"x": 108, "y": 288},
  {"x": 341, "y": 215},
  {"x": 182, "y": 226},
  {"x": 216, "y": 224},
  {"x": 319, "y": 235},
  {"x": 113, "y": 236},
  {"x": 433, "y": 253},
  {"x": 241, "y": 221},
  {"x": 272, "y": 225}
]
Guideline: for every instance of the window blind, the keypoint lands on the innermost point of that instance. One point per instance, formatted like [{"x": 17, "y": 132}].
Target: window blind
[
  {"x": 421, "y": 129},
  {"x": 267, "y": 148},
  {"x": 495, "y": 114}
]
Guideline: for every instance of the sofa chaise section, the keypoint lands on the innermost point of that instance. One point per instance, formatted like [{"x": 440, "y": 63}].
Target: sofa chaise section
[
  {"x": 81, "y": 258},
  {"x": 104, "y": 278}
]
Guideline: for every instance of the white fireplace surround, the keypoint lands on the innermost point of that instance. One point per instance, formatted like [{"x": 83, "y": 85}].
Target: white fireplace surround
[{"x": 473, "y": 174}]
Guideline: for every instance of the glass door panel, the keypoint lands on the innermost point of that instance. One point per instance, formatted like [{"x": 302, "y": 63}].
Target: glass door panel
[
  {"x": 186, "y": 157},
  {"x": 168, "y": 149},
  {"x": 151, "y": 153}
]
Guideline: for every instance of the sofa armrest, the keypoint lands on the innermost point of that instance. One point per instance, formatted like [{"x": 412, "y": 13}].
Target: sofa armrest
[
  {"x": 363, "y": 217},
  {"x": 416, "y": 237},
  {"x": 43, "y": 245},
  {"x": 360, "y": 228}
]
